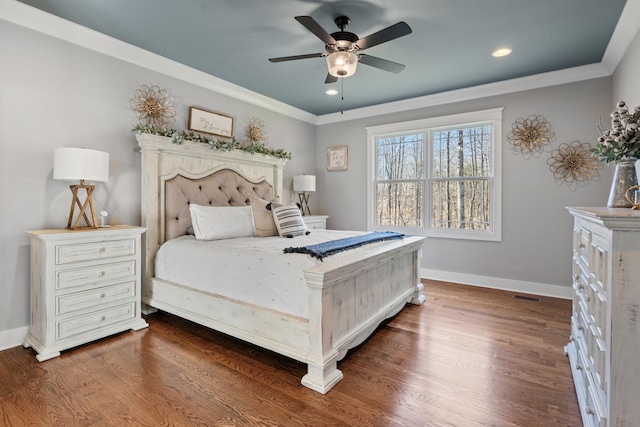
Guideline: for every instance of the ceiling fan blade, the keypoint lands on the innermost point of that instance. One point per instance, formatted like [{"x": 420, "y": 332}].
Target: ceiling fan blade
[
  {"x": 383, "y": 64},
  {"x": 330, "y": 79},
  {"x": 311, "y": 25},
  {"x": 393, "y": 32},
  {"x": 294, "y": 57}
]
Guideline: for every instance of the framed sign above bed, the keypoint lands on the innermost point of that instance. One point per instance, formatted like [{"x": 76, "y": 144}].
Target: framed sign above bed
[{"x": 209, "y": 122}]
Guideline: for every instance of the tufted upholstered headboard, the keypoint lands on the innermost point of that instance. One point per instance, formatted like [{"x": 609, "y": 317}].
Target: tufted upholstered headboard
[
  {"x": 222, "y": 188},
  {"x": 174, "y": 175}
]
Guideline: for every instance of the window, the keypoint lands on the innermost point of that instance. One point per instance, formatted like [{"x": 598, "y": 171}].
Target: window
[{"x": 437, "y": 177}]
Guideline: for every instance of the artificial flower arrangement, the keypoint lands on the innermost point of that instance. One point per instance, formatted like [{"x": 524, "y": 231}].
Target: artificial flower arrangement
[{"x": 622, "y": 141}]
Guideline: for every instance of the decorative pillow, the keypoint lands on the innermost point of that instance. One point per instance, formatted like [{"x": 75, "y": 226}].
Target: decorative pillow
[
  {"x": 263, "y": 218},
  {"x": 221, "y": 222},
  {"x": 288, "y": 220}
]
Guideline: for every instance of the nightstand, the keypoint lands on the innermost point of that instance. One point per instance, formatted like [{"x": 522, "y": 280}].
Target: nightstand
[
  {"x": 316, "y": 222},
  {"x": 85, "y": 285}
]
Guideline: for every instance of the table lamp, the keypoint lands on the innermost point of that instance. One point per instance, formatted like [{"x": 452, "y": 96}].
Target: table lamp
[
  {"x": 81, "y": 164},
  {"x": 303, "y": 184}
]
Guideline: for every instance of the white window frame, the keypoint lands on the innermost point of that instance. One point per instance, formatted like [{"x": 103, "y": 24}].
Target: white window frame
[{"x": 494, "y": 233}]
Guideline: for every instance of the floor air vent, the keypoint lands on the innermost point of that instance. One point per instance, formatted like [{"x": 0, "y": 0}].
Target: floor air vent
[{"x": 527, "y": 298}]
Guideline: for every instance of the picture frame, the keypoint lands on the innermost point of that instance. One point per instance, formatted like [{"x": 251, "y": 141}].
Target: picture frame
[
  {"x": 337, "y": 158},
  {"x": 209, "y": 122}
]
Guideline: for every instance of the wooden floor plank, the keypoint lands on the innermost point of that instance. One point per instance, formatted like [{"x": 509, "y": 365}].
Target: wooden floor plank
[{"x": 469, "y": 356}]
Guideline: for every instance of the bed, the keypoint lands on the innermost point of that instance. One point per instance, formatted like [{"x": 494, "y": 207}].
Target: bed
[{"x": 349, "y": 295}]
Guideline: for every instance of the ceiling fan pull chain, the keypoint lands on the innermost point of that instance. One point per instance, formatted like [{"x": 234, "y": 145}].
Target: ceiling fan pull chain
[{"x": 342, "y": 96}]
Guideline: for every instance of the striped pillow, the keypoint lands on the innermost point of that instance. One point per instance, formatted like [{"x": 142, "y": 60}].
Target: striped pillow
[{"x": 288, "y": 220}]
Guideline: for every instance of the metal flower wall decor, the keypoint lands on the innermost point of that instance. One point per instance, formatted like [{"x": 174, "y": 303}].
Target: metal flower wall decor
[
  {"x": 153, "y": 106},
  {"x": 574, "y": 164},
  {"x": 530, "y": 136},
  {"x": 256, "y": 132}
]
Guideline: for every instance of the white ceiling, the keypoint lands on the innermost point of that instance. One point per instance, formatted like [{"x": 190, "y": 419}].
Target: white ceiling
[{"x": 450, "y": 46}]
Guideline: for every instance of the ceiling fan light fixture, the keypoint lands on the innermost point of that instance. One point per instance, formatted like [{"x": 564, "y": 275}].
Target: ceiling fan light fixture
[{"x": 342, "y": 64}]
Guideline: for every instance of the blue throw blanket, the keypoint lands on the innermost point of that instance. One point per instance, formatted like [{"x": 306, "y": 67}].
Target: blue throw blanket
[{"x": 325, "y": 249}]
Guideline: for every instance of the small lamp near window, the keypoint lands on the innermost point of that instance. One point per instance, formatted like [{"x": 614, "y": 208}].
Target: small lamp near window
[
  {"x": 304, "y": 184},
  {"x": 81, "y": 164}
]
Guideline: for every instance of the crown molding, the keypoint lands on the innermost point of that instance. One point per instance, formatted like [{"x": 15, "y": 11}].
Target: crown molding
[
  {"x": 623, "y": 35},
  {"x": 51, "y": 25},
  {"x": 569, "y": 75},
  {"x": 43, "y": 22}
]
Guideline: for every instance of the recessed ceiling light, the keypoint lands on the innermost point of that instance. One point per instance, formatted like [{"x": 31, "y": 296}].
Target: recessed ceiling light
[
  {"x": 331, "y": 92},
  {"x": 503, "y": 51}
]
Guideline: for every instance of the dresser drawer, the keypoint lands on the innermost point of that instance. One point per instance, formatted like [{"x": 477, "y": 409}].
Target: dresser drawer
[
  {"x": 91, "y": 322},
  {"x": 76, "y": 252},
  {"x": 594, "y": 409},
  {"x": 95, "y": 297},
  {"x": 95, "y": 274},
  {"x": 582, "y": 245}
]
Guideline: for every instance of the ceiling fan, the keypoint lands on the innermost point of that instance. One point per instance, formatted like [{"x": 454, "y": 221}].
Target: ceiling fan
[{"x": 343, "y": 47}]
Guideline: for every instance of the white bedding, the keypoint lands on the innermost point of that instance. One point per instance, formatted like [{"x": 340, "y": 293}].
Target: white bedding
[{"x": 254, "y": 269}]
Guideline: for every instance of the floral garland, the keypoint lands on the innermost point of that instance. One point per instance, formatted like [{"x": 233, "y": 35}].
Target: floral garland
[{"x": 178, "y": 137}]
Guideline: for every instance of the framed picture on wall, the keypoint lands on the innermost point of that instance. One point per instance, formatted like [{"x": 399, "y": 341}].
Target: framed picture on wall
[
  {"x": 337, "y": 158},
  {"x": 209, "y": 122}
]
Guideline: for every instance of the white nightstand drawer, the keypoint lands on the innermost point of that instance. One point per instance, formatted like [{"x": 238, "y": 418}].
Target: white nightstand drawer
[
  {"x": 66, "y": 254},
  {"x": 95, "y": 274},
  {"x": 316, "y": 222},
  {"x": 90, "y": 322},
  {"x": 85, "y": 285},
  {"x": 95, "y": 297}
]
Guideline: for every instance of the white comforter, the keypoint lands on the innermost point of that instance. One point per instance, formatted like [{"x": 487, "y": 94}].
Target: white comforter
[{"x": 250, "y": 269}]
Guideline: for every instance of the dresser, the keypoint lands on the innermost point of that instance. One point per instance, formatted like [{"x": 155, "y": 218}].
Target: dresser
[
  {"x": 85, "y": 285},
  {"x": 604, "y": 347},
  {"x": 316, "y": 222}
]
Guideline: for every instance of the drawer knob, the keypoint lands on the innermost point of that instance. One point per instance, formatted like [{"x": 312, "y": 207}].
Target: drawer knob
[
  {"x": 102, "y": 250},
  {"x": 576, "y": 277},
  {"x": 101, "y": 296},
  {"x": 589, "y": 410},
  {"x": 102, "y": 273},
  {"x": 581, "y": 245},
  {"x": 102, "y": 319}
]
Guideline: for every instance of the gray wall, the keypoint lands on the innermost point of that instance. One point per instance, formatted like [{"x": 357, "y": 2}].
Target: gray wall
[
  {"x": 536, "y": 228},
  {"x": 626, "y": 81},
  {"x": 56, "y": 94}
]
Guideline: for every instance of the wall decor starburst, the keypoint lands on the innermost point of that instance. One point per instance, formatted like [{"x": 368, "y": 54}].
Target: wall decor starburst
[
  {"x": 574, "y": 164},
  {"x": 529, "y": 136},
  {"x": 153, "y": 106},
  {"x": 256, "y": 132}
]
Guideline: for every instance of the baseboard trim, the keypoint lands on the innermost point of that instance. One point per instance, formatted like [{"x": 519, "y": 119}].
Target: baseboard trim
[
  {"x": 543, "y": 289},
  {"x": 13, "y": 337}
]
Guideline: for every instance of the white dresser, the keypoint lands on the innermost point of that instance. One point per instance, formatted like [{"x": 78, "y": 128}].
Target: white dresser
[
  {"x": 85, "y": 285},
  {"x": 604, "y": 347},
  {"x": 316, "y": 222}
]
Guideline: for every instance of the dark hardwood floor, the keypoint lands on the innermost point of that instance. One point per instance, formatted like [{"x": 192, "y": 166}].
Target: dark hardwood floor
[{"x": 468, "y": 357}]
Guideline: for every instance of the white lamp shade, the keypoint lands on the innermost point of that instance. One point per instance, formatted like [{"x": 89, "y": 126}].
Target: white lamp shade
[
  {"x": 74, "y": 164},
  {"x": 303, "y": 183},
  {"x": 342, "y": 64}
]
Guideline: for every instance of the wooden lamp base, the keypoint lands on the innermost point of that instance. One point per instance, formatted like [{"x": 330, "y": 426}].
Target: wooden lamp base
[
  {"x": 304, "y": 203},
  {"x": 88, "y": 202}
]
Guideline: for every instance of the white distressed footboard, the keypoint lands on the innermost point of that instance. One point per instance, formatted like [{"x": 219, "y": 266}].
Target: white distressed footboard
[{"x": 350, "y": 298}]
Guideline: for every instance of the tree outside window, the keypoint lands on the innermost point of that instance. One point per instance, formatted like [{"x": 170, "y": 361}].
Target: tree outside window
[{"x": 441, "y": 179}]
